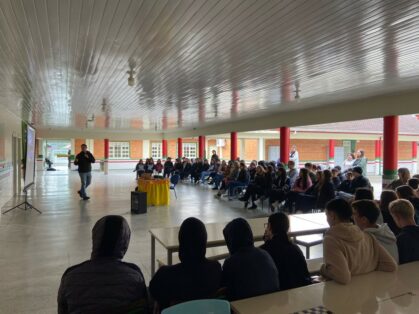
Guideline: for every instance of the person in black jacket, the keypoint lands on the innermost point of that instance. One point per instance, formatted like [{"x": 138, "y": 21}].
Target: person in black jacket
[
  {"x": 242, "y": 179},
  {"x": 84, "y": 160},
  {"x": 403, "y": 214},
  {"x": 195, "y": 277},
  {"x": 359, "y": 181},
  {"x": 168, "y": 168},
  {"x": 104, "y": 284},
  {"x": 289, "y": 260},
  {"x": 257, "y": 187},
  {"x": 326, "y": 190},
  {"x": 249, "y": 271}
]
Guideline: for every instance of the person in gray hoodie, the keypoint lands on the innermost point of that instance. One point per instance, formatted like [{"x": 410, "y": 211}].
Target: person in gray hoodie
[
  {"x": 104, "y": 284},
  {"x": 366, "y": 213}
]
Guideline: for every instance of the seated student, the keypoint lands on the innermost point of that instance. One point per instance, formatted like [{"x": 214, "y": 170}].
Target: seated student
[
  {"x": 359, "y": 180},
  {"x": 104, "y": 284},
  {"x": 326, "y": 190},
  {"x": 301, "y": 185},
  {"x": 387, "y": 196},
  {"x": 195, "y": 277},
  {"x": 256, "y": 188},
  {"x": 311, "y": 173},
  {"x": 407, "y": 193},
  {"x": 292, "y": 172},
  {"x": 249, "y": 271},
  {"x": 414, "y": 184},
  {"x": 289, "y": 260},
  {"x": 347, "y": 251},
  {"x": 335, "y": 178},
  {"x": 242, "y": 179},
  {"x": 345, "y": 185},
  {"x": 280, "y": 187},
  {"x": 367, "y": 194},
  {"x": 365, "y": 214},
  {"x": 340, "y": 174},
  {"x": 404, "y": 176},
  {"x": 408, "y": 239}
]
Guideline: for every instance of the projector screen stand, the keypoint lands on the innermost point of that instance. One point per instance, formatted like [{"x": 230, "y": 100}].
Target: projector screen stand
[{"x": 25, "y": 205}]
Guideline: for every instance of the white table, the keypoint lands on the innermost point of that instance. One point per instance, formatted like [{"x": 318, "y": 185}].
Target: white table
[
  {"x": 168, "y": 237},
  {"x": 376, "y": 292}
]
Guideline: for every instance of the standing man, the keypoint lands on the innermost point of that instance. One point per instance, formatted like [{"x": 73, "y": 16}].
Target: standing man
[
  {"x": 294, "y": 156},
  {"x": 84, "y": 160},
  {"x": 214, "y": 158}
]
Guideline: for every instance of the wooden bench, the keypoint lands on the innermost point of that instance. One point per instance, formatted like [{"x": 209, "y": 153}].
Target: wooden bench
[{"x": 308, "y": 241}]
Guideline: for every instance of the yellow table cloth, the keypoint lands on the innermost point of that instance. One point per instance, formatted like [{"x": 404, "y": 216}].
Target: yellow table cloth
[{"x": 158, "y": 191}]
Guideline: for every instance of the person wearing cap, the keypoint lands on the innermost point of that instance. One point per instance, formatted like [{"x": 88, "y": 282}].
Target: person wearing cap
[
  {"x": 104, "y": 283},
  {"x": 358, "y": 181}
]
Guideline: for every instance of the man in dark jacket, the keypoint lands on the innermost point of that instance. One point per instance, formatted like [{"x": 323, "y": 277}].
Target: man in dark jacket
[
  {"x": 84, "y": 160},
  {"x": 249, "y": 271},
  {"x": 168, "y": 168},
  {"x": 358, "y": 181},
  {"x": 104, "y": 284},
  {"x": 195, "y": 277},
  {"x": 403, "y": 214},
  {"x": 289, "y": 260}
]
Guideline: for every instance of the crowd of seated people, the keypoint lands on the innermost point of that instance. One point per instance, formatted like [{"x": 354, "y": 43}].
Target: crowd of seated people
[{"x": 355, "y": 244}]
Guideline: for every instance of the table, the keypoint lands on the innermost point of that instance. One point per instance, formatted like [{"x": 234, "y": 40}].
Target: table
[
  {"x": 376, "y": 292},
  {"x": 158, "y": 191},
  {"x": 168, "y": 237}
]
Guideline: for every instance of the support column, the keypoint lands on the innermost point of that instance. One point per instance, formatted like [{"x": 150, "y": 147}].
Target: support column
[
  {"x": 164, "y": 148},
  {"x": 146, "y": 149},
  {"x": 261, "y": 149},
  {"x": 201, "y": 146},
  {"x": 106, "y": 151},
  {"x": 179, "y": 148},
  {"x": 233, "y": 145},
  {"x": 284, "y": 145},
  {"x": 391, "y": 145},
  {"x": 378, "y": 157},
  {"x": 414, "y": 157},
  {"x": 331, "y": 159}
]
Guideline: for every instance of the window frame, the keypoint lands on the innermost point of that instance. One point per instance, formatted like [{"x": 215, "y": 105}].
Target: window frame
[{"x": 119, "y": 150}]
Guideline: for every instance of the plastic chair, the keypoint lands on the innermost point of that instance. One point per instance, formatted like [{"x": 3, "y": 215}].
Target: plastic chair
[
  {"x": 174, "y": 180},
  {"x": 211, "y": 306}
]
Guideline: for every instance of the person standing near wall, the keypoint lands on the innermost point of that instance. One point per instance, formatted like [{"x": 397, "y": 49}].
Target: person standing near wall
[
  {"x": 361, "y": 161},
  {"x": 294, "y": 156},
  {"x": 84, "y": 160}
]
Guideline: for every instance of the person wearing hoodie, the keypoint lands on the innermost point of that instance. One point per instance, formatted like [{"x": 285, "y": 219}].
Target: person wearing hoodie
[
  {"x": 347, "y": 251},
  {"x": 104, "y": 284},
  {"x": 195, "y": 277},
  {"x": 289, "y": 260},
  {"x": 249, "y": 271},
  {"x": 403, "y": 214},
  {"x": 365, "y": 214}
]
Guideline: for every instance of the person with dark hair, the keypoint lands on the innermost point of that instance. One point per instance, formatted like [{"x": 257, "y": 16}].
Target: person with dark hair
[
  {"x": 248, "y": 271},
  {"x": 414, "y": 184},
  {"x": 168, "y": 167},
  {"x": 366, "y": 213},
  {"x": 403, "y": 178},
  {"x": 280, "y": 187},
  {"x": 408, "y": 239},
  {"x": 242, "y": 179},
  {"x": 139, "y": 168},
  {"x": 256, "y": 188},
  {"x": 345, "y": 185},
  {"x": 326, "y": 190},
  {"x": 407, "y": 193},
  {"x": 104, "y": 284},
  {"x": 340, "y": 174},
  {"x": 311, "y": 173},
  {"x": 84, "y": 161},
  {"x": 335, "y": 178},
  {"x": 363, "y": 194},
  {"x": 347, "y": 251},
  {"x": 359, "y": 180},
  {"x": 289, "y": 260},
  {"x": 301, "y": 185},
  {"x": 387, "y": 196},
  {"x": 195, "y": 277}
]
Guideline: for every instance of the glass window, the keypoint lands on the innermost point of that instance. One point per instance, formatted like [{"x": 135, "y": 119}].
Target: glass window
[
  {"x": 156, "y": 150},
  {"x": 119, "y": 150},
  {"x": 189, "y": 150}
]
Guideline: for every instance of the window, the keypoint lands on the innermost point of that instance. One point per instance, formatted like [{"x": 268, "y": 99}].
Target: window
[
  {"x": 189, "y": 150},
  {"x": 156, "y": 150},
  {"x": 119, "y": 150}
]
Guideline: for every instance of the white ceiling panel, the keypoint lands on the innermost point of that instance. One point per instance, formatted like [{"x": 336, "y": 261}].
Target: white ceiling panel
[{"x": 198, "y": 63}]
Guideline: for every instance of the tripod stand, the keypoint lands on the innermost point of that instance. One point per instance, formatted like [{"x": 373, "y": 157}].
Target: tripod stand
[{"x": 25, "y": 205}]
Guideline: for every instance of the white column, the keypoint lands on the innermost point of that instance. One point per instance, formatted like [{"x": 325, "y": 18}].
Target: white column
[
  {"x": 261, "y": 150},
  {"x": 146, "y": 148}
]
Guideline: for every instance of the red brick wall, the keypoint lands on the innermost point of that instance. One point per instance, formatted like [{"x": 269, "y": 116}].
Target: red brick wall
[
  {"x": 368, "y": 147},
  {"x": 77, "y": 144},
  {"x": 405, "y": 150},
  {"x": 136, "y": 149},
  {"x": 99, "y": 148},
  {"x": 251, "y": 149}
]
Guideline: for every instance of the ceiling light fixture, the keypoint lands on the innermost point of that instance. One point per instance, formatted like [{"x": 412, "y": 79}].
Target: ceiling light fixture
[{"x": 131, "y": 79}]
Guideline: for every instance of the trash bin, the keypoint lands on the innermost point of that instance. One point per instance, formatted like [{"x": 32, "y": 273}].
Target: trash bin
[
  {"x": 102, "y": 165},
  {"x": 138, "y": 202}
]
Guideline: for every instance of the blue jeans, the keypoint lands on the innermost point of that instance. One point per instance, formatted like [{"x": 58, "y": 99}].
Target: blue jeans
[
  {"x": 234, "y": 184},
  {"x": 204, "y": 174},
  {"x": 86, "y": 179},
  {"x": 217, "y": 179}
]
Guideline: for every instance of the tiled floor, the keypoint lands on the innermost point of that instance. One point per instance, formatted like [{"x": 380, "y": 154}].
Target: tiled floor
[{"x": 36, "y": 249}]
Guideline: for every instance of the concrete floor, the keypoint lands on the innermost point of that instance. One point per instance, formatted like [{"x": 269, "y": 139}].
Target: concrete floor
[{"x": 36, "y": 249}]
